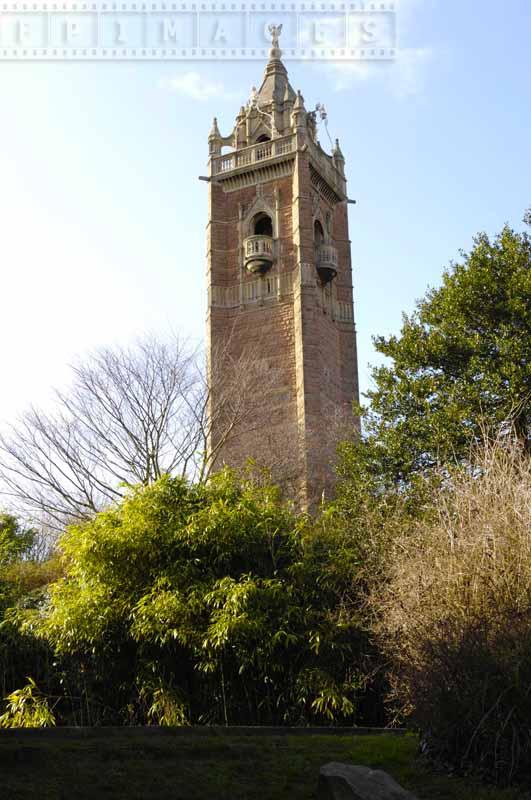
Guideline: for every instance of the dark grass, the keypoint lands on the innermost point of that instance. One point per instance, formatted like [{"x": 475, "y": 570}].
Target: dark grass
[{"x": 136, "y": 765}]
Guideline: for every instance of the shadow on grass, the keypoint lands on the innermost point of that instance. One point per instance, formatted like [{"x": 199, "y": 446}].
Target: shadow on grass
[{"x": 209, "y": 767}]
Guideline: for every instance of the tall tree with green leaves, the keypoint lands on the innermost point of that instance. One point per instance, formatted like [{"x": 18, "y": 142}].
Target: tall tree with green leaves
[
  {"x": 16, "y": 541},
  {"x": 460, "y": 367}
]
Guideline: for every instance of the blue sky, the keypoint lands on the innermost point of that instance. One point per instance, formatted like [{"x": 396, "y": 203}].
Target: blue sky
[{"x": 102, "y": 217}]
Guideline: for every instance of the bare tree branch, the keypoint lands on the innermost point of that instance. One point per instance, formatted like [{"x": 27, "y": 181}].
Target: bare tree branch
[
  {"x": 125, "y": 420},
  {"x": 131, "y": 415}
]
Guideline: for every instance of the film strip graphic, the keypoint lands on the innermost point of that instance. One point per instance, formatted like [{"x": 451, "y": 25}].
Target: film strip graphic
[{"x": 196, "y": 31}]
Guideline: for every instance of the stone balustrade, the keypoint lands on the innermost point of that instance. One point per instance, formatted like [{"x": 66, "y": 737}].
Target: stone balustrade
[
  {"x": 327, "y": 256},
  {"x": 258, "y": 253},
  {"x": 258, "y": 245},
  {"x": 256, "y": 153}
]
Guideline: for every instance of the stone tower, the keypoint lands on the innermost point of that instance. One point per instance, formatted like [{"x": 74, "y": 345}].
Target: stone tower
[{"x": 280, "y": 286}]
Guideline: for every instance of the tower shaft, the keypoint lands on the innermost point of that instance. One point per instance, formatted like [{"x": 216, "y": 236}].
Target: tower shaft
[{"x": 280, "y": 307}]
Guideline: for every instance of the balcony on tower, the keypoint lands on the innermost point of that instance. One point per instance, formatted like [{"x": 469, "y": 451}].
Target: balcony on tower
[
  {"x": 258, "y": 248},
  {"x": 258, "y": 253},
  {"x": 326, "y": 261}
]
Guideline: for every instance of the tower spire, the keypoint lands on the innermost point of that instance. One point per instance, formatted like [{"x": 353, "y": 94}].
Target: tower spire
[
  {"x": 214, "y": 138},
  {"x": 275, "y": 83},
  {"x": 298, "y": 115},
  {"x": 214, "y": 130},
  {"x": 339, "y": 158}
]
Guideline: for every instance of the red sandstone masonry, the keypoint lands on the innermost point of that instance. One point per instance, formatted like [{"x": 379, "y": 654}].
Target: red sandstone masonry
[{"x": 299, "y": 334}]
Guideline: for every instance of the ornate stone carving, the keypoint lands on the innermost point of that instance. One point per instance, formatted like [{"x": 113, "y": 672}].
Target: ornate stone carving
[{"x": 275, "y": 31}]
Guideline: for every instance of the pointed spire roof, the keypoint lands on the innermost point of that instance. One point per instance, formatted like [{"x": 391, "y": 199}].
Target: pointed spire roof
[
  {"x": 275, "y": 84},
  {"x": 299, "y": 102},
  {"x": 214, "y": 130},
  {"x": 336, "y": 152}
]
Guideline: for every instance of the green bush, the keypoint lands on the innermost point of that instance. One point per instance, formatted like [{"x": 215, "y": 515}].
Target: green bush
[
  {"x": 203, "y": 603},
  {"x": 27, "y": 708},
  {"x": 22, "y": 581}
]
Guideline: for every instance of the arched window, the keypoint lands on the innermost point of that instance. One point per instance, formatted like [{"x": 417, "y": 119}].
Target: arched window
[
  {"x": 318, "y": 234},
  {"x": 262, "y": 225},
  {"x": 263, "y": 138}
]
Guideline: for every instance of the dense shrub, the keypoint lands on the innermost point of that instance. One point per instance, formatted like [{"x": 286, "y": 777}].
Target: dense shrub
[
  {"x": 23, "y": 575},
  {"x": 203, "y": 603},
  {"x": 455, "y": 619}
]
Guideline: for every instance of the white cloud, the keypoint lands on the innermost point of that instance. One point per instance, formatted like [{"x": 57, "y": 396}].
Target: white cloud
[
  {"x": 193, "y": 85},
  {"x": 346, "y": 73},
  {"x": 409, "y": 74},
  {"x": 403, "y": 77}
]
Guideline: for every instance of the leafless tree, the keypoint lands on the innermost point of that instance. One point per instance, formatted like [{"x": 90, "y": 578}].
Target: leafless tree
[
  {"x": 130, "y": 416},
  {"x": 134, "y": 414},
  {"x": 124, "y": 420}
]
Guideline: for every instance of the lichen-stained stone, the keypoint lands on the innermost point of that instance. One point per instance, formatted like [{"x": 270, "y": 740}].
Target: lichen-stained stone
[{"x": 347, "y": 782}]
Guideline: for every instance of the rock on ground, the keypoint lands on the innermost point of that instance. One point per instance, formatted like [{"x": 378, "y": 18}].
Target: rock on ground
[{"x": 346, "y": 782}]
